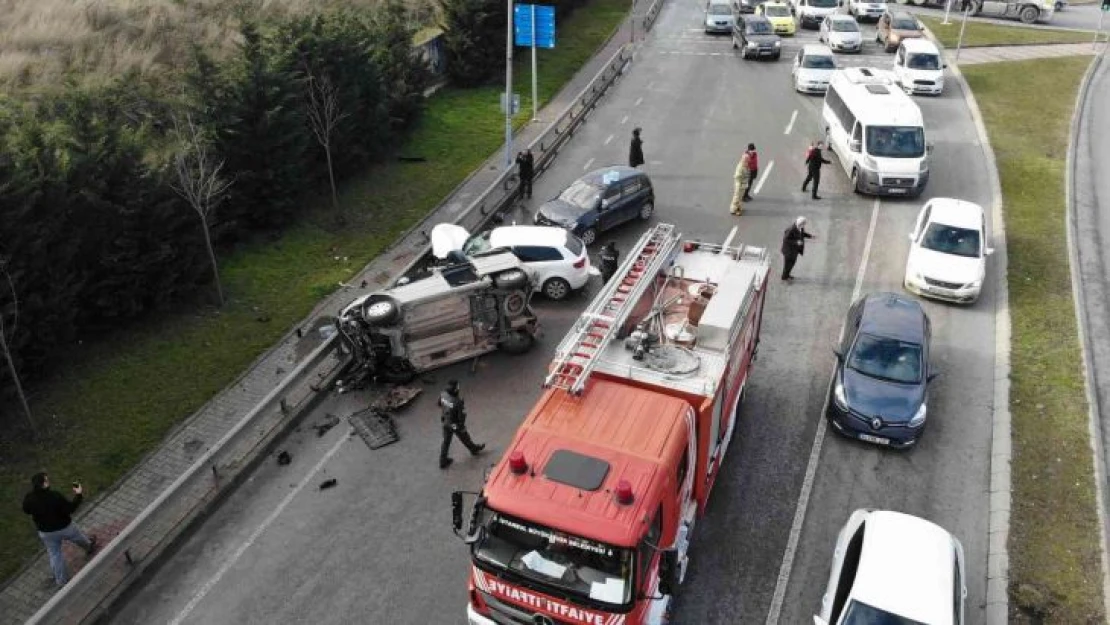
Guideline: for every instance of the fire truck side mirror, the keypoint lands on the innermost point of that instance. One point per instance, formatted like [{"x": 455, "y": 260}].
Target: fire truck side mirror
[
  {"x": 456, "y": 510},
  {"x": 668, "y": 572}
]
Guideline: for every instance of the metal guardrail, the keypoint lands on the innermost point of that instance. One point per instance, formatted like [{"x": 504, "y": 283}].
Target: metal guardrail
[{"x": 121, "y": 561}]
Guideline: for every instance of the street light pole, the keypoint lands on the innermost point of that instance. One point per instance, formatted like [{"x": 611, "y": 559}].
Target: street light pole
[
  {"x": 947, "y": 10},
  {"x": 509, "y": 85},
  {"x": 1098, "y": 32},
  {"x": 963, "y": 25}
]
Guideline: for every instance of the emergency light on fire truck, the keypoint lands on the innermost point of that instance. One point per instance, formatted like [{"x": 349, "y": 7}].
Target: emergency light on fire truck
[{"x": 588, "y": 516}]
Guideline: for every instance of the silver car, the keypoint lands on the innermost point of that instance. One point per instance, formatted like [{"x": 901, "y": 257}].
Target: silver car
[{"x": 718, "y": 16}]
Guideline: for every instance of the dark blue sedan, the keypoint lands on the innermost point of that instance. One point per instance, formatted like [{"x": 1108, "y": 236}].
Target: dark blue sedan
[{"x": 880, "y": 390}]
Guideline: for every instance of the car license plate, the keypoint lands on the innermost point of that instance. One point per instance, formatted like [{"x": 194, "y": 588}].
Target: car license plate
[
  {"x": 878, "y": 440},
  {"x": 896, "y": 191}
]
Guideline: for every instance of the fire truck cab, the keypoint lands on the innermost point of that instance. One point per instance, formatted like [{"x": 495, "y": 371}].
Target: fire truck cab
[{"x": 588, "y": 516}]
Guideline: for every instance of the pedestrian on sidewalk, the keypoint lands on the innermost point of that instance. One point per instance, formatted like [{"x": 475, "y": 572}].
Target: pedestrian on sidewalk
[
  {"x": 636, "y": 149},
  {"x": 793, "y": 246},
  {"x": 739, "y": 179},
  {"x": 52, "y": 515},
  {"x": 526, "y": 167},
  {"x": 453, "y": 420},
  {"x": 609, "y": 257},
  {"x": 814, "y": 160},
  {"x": 753, "y": 171}
]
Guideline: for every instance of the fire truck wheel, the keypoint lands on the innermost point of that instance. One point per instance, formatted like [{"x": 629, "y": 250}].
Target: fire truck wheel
[
  {"x": 511, "y": 279},
  {"x": 518, "y": 342},
  {"x": 380, "y": 312},
  {"x": 514, "y": 304}
]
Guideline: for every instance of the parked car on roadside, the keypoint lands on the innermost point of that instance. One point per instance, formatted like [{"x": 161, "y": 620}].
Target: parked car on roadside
[
  {"x": 719, "y": 17},
  {"x": 896, "y": 26},
  {"x": 813, "y": 68},
  {"x": 778, "y": 13},
  {"x": 598, "y": 201},
  {"x": 841, "y": 33},
  {"x": 895, "y": 569},
  {"x": 948, "y": 251},
  {"x": 755, "y": 37},
  {"x": 880, "y": 386}
]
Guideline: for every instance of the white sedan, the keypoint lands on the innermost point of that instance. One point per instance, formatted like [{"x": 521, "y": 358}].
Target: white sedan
[
  {"x": 813, "y": 68},
  {"x": 841, "y": 33},
  {"x": 891, "y": 567},
  {"x": 948, "y": 251}
]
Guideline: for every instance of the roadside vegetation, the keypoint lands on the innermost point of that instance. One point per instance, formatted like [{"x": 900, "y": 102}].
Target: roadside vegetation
[
  {"x": 113, "y": 394},
  {"x": 1055, "y": 566},
  {"x": 979, "y": 34}
]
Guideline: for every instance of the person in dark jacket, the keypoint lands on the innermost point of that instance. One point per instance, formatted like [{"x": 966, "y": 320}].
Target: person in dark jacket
[
  {"x": 610, "y": 259},
  {"x": 814, "y": 161},
  {"x": 526, "y": 166},
  {"x": 636, "y": 149},
  {"x": 793, "y": 246},
  {"x": 454, "y": 424},
  {"x": 753, "y": 171},
  {"x": 52, "y": 514}
]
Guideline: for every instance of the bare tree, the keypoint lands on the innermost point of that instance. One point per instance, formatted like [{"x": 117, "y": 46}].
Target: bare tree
[
  {"x": 324, "y": 115},
  {"x": 200, "y": 184},
  {"x": 6, "y": 345}
]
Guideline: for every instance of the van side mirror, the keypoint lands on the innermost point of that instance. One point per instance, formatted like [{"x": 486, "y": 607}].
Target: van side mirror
[
  {"x": 855, "y": 145},
  {"x": 944, "y": 65},
  {"x": 668, "y": 572},
  {"x": 929, "y": 148},
  {"x": 456, "y": 511}
]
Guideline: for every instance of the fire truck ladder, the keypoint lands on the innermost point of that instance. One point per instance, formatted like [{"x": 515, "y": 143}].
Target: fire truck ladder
[{"x": 579, "y": 352}]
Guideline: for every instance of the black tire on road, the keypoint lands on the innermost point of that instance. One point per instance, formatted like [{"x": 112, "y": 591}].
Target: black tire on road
[
  {"x": 518, "y": 342},
  {"x": 397, "y": 371},
  {"x": 511, "y": 279},
  {"x": 855, "y": 181}
]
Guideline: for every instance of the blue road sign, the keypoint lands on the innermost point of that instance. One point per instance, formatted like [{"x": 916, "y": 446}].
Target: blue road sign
[{"x": 544, "y": 27}]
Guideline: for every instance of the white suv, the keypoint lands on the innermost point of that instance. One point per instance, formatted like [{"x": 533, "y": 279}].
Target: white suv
[
  {"x": 556, "y": 258},
  {"x": 891, "y": 567}
]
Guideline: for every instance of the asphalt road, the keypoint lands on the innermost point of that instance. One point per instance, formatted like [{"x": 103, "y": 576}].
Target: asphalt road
[{"x": 378, "y": 546}]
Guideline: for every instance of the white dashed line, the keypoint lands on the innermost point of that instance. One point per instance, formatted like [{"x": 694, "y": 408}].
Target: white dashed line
[
  {"x": 763, "y": 178},
  {"x": 587, "y": 165},
  {"x": 790, "y": 126},
  {"x": 814, "y": 455},
  {"x": 638, "y": 101},
  {"x": 651, "y": 85},
  {"x": 608, "y": 139},
  {"x": 624, "y": 119}
]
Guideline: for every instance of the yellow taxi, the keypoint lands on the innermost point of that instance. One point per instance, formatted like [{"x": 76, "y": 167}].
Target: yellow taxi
[{"x": 778, "y": 13}]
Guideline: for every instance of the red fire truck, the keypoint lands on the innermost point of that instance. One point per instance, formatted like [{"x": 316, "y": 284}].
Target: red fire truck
[{"x": 588, "y": 515}]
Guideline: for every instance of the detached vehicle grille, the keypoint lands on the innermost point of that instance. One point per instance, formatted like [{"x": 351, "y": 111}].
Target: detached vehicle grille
[{"x": 942, "y": 284}]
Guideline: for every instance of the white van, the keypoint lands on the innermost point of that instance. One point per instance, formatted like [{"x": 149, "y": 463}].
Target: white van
[
  {"x": 810, "y": 13},
  {"x": 877, "y": 133},
  {"x": 918, "y": 67}
]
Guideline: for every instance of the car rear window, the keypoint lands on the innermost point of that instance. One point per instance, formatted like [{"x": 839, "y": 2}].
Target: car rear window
[
  {"x": 886, "y": 359},
  {"x": 574, "y": 245}
]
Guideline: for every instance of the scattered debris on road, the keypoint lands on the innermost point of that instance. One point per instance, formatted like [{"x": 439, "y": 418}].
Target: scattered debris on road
[
  {"x": 326, "y": 484},
  {"x": 374, "y": 427},
  {"x": 328, "y": 423},
  {"x": 396, "y": 398},
  {"x": 284, "y": 458}
]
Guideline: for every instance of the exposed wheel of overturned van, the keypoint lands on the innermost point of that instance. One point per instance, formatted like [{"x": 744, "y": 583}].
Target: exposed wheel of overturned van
[
  {"x": 511, "y": 279},
  {"x": 397, "y": 371},
  {"x": 517, "y": 342},
  {"x": 514, "y": 304},
  {"x": 380, "y": 311},
  {"x": 1029, "y": 14}
]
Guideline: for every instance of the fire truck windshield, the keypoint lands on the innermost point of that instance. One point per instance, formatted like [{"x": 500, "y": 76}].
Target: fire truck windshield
[{"x": 565, "y": 563}]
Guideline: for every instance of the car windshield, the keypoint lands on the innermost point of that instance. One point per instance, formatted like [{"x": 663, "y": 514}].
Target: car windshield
[
  {"x": 776, "y": 11},
  {"x": 759, "y": 27},
  {"x": 886, "y": 359},
  {"x": 903, "y": 23},
  {"x": 923, "y": 61},
  {"x": 824, "y": 4},
  {"x": 477, "y": 244},
  {"x": 818, "y": 61},
  {"x": 581, "y": 194},
  {"x": 845, "y": 26},
  {"x": 859, "y": 613},
  {"x": 720, "y": 9},
  {"x": 564, "y": 563},
  {"x": 896, "y": 141},
  {"x": 951, "y": 240}
]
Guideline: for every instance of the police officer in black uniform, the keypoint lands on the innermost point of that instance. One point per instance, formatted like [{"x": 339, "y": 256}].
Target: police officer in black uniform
[
  {"x": 609, "y": 257},
  {"x": 454, "y": 423}
]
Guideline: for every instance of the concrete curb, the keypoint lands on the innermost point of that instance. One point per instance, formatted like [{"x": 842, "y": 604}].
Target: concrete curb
[
  {"x": 1098, "y": 451},
  {"x": 998, "y": 516}
]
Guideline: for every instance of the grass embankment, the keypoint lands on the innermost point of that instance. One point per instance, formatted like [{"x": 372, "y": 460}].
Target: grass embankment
[
  {"x": 119, "y": 396},
  {"x": 980, "y": 34},
  {"x": 1055, "y": 567}
]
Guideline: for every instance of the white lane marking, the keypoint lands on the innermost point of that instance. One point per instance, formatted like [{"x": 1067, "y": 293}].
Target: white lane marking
[
  {"x": 587, "y": 165},
  {"x": 226, "y": 566},
  {"x": 624, "y": 119},
  {"x": 814, "y": 454},
  {"x": 651, "y": 84},
  {"x": 763, "y": 178},
  {"x": 790, "y": 126},
  {"x": 608, "y": 139},
  {"x": 731, "y": 234},
  {"x": 638, "y": 101}
]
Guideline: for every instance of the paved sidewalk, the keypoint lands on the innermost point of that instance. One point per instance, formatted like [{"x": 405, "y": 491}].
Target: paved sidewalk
[
  {"x": 110, "y": 512},
  {"x": 994, "y": 54}
]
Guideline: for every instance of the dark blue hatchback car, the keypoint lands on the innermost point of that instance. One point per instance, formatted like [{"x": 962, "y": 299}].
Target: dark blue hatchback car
[
  {"x": 600, "y": 200},
  {"x": 880, "y": 390}
]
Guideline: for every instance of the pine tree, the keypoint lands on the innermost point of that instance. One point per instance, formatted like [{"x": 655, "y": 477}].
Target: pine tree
[{"x": 474, "y": 40}]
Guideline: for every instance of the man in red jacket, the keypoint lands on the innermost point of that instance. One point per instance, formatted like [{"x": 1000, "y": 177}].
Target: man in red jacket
[
  {"x": 51, "y": 512},
  {"x": 753, "y": 171}
]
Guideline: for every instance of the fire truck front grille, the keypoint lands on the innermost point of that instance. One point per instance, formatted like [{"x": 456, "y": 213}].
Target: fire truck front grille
[{"x": 506, "y": 614}]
